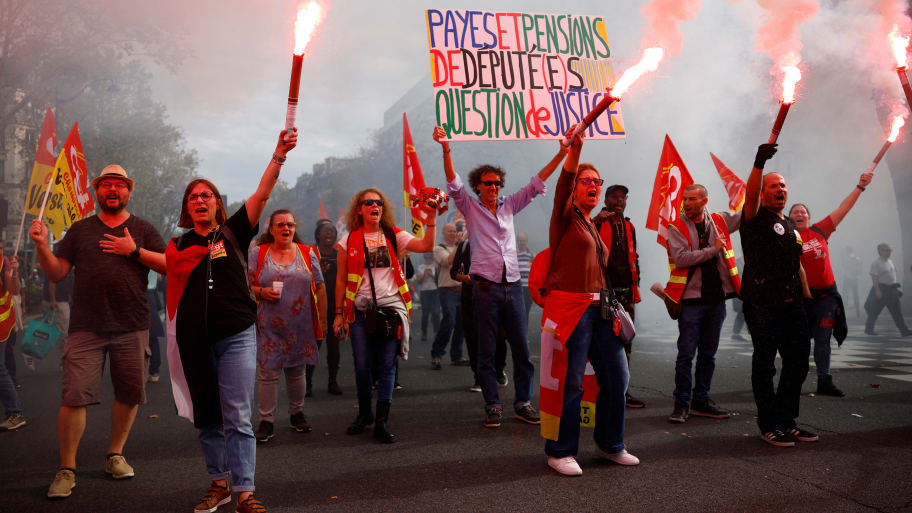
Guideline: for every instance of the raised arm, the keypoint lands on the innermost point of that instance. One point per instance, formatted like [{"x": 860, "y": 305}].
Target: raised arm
[
  {"x": 257, "y": 201},
  {"x": 552, "y": 165},
  {"x": 755, "y": 181},
  {"x": 11, "y": 275},
  {"x": 847, "y": 204},
  {"x": 426, "y": 243},
  {"x": 440, "y": 137},
  {"x": 54, "y": 268}
]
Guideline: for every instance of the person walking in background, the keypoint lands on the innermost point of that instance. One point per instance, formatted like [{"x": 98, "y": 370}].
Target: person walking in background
[
  {"x": 851, "y": 270},
  {"x": 448, "y": 291},
  {"x": 426, "y": 278},
  {"x": 884, "y": 292},
  {"x": 286, "y": 278},
  {"x": 56, "y": 297},
  {"x": 325, "y": 235},
  {"x": 9, "y": 286},
  {"x": 738, "y": 308},
  {"x": 524, "y": 257}
]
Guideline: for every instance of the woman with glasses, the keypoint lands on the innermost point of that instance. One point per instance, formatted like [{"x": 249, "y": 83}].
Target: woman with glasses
[
  {"x": 373, "y": 303},
  {"x": 286, "y": 279}
]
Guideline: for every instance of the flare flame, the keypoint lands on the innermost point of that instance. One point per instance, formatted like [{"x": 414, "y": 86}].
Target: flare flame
[
  {"x": 308, "y": 18},
  {"x": 899, "y": 45},
  {"x": 789, "y": 81},
  {"x": 649, "y": 62}
]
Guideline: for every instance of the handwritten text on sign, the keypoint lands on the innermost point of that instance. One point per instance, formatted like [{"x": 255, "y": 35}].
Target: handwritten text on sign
[{"x": 518, "y": 76}]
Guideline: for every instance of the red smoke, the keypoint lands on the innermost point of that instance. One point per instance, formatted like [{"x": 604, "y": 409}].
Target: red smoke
[
  {"x": 662, "y": 18},
  {"x": 778, "y": 35}
]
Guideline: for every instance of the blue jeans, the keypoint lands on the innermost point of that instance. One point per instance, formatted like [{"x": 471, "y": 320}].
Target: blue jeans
[
  {"x": 698, "y": 335},
  {"x": 499, "y": 305},
  {"x": 430, "y": 309},
  {"x": 824, "y": 317},
  {"x": 450, "y": 325},
  {"x": 364, "y": 351},
  {"x": 8, "y": 395},
  {"x": 230, "y": 449},
  {"x": 593, "y": 338}
]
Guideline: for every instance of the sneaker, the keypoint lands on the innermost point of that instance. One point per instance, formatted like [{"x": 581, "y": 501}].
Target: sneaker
[
  {"x": 250, "y": 505},
  {"x": 502, "y": 380},
  {"x": 153, "y": 378},
  {"x": 801, "y": 435},
  {"x": 528, "y": 414},
  {"x": 264, "y": 432},
  {"x": 777, "y": 438},
  {"x": 566, "y": 466},
  {"x": 397, "y": 386},
  {"x": 462, "y": 362},
  {"x": 621, "y": 458},
  {"x": 709, "y": 409},
  {"x": 633, "y": 402},
  {"x": 493, "y": 416},
  {"x": 679, "y": 414},
  {"x": 117, "y": 466},
  {"x": 215, "y": 496},
  {"x": 475, "y": 388},
  {"x": 435, "y": 364},
  {"x": 63, "y": 484},
  {"x": 334, "y": 388},
  {"x": 14, "y": 421},
  {"x": 299, "y": 423}
]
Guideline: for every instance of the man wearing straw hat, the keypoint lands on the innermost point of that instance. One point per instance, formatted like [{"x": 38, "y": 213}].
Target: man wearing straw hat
[{"x": 110, "y": 318}]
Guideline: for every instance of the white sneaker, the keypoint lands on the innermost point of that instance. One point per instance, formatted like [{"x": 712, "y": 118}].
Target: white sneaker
[
  {"x": 622, "y": 458},
  {"x": 566, "y": 466}
]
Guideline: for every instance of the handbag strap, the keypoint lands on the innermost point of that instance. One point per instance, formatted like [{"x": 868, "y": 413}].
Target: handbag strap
[
  {"x": 600, "y": 254},
  {"x": 370, "y": 272}
]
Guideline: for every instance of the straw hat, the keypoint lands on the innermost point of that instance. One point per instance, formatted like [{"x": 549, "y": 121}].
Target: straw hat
[{"x": 113, "y": 171}]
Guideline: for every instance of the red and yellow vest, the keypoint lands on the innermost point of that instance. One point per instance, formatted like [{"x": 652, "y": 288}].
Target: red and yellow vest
[
  {"x": 7, "y": 313},
  {"x": 606, "y": 233},
  {"x": 315, "y": 306},
  {"x": 677, "y": 282},
  {"x": 355, "y": 265}
]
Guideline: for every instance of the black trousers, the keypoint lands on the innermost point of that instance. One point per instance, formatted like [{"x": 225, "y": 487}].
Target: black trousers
[
  {"x": 470, "y": 333},
  {"x": 890, "y": 300}
]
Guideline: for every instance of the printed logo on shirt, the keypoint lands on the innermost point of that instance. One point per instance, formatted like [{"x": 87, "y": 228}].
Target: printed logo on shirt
[
  {"x": 778, "y": 228},
  {"x": 217, "y": 250},
  {"x": 813, "y": 246}
]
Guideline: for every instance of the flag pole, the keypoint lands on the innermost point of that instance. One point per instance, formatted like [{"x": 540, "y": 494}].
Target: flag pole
[{"x": 47, "y": 192}]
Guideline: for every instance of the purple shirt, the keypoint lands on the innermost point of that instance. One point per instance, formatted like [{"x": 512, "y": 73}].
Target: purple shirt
[{"x": 492, "y": 237}]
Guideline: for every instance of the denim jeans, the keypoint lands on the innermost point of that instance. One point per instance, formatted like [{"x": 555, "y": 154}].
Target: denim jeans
[
  {"x": 430, "y": 309},
  {"x": 230, "y": 449},
  {"x": 364, "y": 352},
  {"x": 8, "y": 395},
  {"x": 500, "y": 305},
  {"x": 698, "y": 335},
  {"x": 779, "y": 328},
  {"x": 824, "y": 318},
  {"x": 594, "y": 338},
  {"x": 450, "y": 326},
  {"x": 469, "y": 329}
]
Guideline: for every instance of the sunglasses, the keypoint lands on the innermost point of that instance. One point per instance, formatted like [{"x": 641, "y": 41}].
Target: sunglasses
[
  {"x": 284, "y": 225},
  {"x": 591, "y": 181},
  {"x": 112, "y": 184},
  {"x": 369, "y": 202},
  {"x": 205, "y": 196},
  {"x": 492, "y": 183}
]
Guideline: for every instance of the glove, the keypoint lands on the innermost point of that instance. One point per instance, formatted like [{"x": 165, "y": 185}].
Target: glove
[{"x": 764, "y": 153}]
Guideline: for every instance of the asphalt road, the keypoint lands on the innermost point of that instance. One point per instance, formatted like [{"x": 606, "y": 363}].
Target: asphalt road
[{"x": 447, "y": 461}]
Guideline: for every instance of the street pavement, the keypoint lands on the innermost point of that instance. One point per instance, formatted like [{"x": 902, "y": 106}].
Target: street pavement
[{"x": 447, "y": 461}]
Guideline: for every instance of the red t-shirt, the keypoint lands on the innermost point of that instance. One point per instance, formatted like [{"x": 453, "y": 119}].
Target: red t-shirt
[{"x": 815, "y": 256}]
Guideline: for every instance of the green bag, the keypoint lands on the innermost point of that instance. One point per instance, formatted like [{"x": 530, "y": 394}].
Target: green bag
[{"x": 41, "y": 336}]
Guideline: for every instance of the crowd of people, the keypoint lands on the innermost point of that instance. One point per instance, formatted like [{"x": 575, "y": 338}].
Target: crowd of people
[{"x": 242, "y": 311}]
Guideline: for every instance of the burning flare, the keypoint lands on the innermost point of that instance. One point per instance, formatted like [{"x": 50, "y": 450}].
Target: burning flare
[
  {"x": 899, "y": 44},
  {"x": 898, "y": 122},
  {"x": 306, "y": 22},
  {"x": 649, "y": 62},
  {"x": 791, "y": 78}
]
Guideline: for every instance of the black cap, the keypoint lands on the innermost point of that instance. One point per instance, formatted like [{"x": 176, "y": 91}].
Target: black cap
[{"x": 616, "y": 186}]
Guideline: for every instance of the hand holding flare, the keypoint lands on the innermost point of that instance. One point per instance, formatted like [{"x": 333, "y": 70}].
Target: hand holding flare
[{"x": 898, "y": 122}]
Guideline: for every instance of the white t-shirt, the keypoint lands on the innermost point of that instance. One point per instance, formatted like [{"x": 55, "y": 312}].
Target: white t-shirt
[
  {"x": 427, "y": 282},
  {"x": 377, "y": 260},
  {"x": 884, "y": 271}
]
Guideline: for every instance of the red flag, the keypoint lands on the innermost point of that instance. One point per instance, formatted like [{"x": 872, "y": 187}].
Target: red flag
[
  {"x": 412, "y": 180},
  {"x": 735, "y": 186},
  {"x": 672, "y": 178},
  {"x": 341, "y": 228},
  {"x": 322, "y": 214}
]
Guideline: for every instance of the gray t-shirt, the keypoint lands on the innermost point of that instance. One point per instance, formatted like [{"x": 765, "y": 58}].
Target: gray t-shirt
[{"x": 109, "y": 293}]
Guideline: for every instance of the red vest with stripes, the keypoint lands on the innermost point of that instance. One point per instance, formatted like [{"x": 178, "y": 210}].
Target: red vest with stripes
[
  {"x": 315, "y": 306},
  {"x": 355, "y": 273},
  {"x": 606, "y": 233},
  {"x": 677, "y": 281},
  {"x": 7, "y": 313}
]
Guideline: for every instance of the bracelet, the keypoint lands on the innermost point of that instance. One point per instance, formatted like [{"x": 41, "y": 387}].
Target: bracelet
[
  {"x": 278, "y": 160},
  {"x": 859, "y": 187}
]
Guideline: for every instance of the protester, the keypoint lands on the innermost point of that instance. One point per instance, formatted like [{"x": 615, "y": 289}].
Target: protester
[
  {"x": 851, "y": 270},
  {"x": 286, "y": 279},
  {"x": 156, "y": 329},
  {"x": 825, "y": 310},
  {"x": 57, "y": 297},
  {"x": 884, "y": 292},
  {"x": 704, "y": 276},
  {"x": 448, "y": 291},
  {"x": 427, "y": 291},
  {"x": 370, "y": 286},
  {"x": 497, "y": 294},
  {"x": 738, "y": 308},
  {"x": 773, "y": 289},
  {"x": 524, "y": 258},
  {"x": 623, "y": 261},
  {"x": 9, "y": 287},
  {"x": 577, "y": 273},
  {"x": 325, "y": 235},
  {"x": 110, "y": 320}
]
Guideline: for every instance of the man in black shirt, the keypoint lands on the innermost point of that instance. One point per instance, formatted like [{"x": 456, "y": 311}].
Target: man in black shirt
[{"x": 773, "y": 291}]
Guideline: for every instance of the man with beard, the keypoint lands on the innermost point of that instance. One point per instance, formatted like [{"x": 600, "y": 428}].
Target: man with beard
[
  {"x": 773, "y": 289},
  {"x": 109, "y": 319}
]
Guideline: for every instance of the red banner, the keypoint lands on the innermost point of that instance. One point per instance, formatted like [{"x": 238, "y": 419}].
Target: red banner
[
  {"x": 734, "y": 186},
  {"x": 671, "y": 179},
  {"x": 322, "y": 214},
  {"x": 412, "y": 179},
  {"x": 77, "y": 183}
]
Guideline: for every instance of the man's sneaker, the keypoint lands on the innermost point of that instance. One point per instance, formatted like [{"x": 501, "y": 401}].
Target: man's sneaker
[
  {"x": 475, "y": 388},
  {"x": 250, "y": 505},
  {"x": 633, "y": 402},
  {"x": 566, "y": 466},
  {"x": 621, "y": 458},
  {"x": 462, "y": 362},
  {"x": 801, "y": 435},
  {"x": 153, "y": 378},
  {"x": 679, "y": 414},
  {"x": 502, "y": 380},
  {"x": 493, "y": 416},
  {"x": 264, "y": 432},
  {"x": 117, "y": 466},
  {"x": 527, "y": 414},
  {"x": 215, "y": 496},
  {"x": 777, "y": 438},
  {"x": 397, "y": 386},
  {"x": 14, "y": 421},
  {"x": 63, "y": 484},
  {"x": 435, "y": 364},
  {"x": 708, "y": 408},
  {"x": 299, "y": 423}
]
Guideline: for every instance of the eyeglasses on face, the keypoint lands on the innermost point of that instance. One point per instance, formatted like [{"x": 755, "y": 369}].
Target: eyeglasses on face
[
  {"x": 112, "y": 184},
  {"x": 283, "y": 224},
  {"x": 492, "y": 183},
  {"x": 204, "y": 196},
  {"x": 591, "y": 181},
  {"x": 369, "y": 202}
]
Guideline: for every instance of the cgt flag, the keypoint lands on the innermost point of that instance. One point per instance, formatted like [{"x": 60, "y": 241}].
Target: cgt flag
[
  {"x": 412, "y": 179},
  {"x": 44, "y": 164},
  {"x": 671, "y": 179},
  {"x": 69, "y": 199},
  {"x": 733, "y": 185}
]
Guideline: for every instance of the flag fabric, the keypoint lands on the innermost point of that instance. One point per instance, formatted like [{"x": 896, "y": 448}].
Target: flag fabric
[
  {"x": 45, "y": 159},
  {"x": 322, "y": 214},
  {"x": 671, "y": 179},
  {"x": 734, "y": 186},
  {"x": 413, "y": 180},
  {"x": 69, "y": 199},
  {"x": 341, "y": 229}
]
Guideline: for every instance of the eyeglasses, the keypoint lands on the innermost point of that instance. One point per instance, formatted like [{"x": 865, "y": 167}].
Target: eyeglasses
[
  {"x": 204, "y": 196},
  {"x": 492, "y": 183},
  {"x": 369, "y": 202},
  {"x": 284, "y": 225},
  {"x": 591, "y": 181},
  {"x": 112, "y": 184}
]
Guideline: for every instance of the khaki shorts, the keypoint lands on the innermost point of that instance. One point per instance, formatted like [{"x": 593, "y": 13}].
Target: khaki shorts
[{"x": 84, "y": 360}]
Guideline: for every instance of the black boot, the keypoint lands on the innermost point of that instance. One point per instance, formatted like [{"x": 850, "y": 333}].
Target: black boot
[
  {"x": 825, "y": 386},
  {"x": 308, "y": 376},
  {"x": 365, "y": 417},
  {"x": 381, "y": 433}
]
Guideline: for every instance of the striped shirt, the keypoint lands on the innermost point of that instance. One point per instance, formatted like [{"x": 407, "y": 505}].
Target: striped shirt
[{"x": 525, "y": 265}]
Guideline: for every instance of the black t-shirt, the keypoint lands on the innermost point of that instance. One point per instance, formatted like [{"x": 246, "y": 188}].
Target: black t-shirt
[
  {"x": 330, "y": 267},
  {"x": 618, "y": 259},
  {"x": 711, "y": 284},
  {"x": 772, "y": 256},
  {"x": 62, "y": 289},
  {"x": 228, "y": 308},
  {"x": 109, "y": 291}
]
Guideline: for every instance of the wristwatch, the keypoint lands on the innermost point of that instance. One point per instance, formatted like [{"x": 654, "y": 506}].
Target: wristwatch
[{"x": 134, "y": 255}]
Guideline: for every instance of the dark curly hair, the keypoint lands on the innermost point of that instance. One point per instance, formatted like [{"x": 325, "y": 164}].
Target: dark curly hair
[{"x": 475, "y": 175}]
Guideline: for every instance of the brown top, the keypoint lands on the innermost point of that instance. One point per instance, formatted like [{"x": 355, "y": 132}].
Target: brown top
[{"x": 574, "y": 261}]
